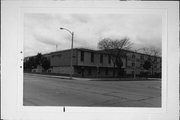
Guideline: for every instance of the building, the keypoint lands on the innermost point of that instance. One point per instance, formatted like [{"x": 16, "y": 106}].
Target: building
[
  {"x": 85, "y": 62},
  {"x": 38, "y": 69},
  {"x": 98, "y": 63}
]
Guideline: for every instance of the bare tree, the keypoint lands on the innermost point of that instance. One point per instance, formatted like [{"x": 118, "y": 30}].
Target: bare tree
[
  {"x": 108, "y": 43},
  {"x": 153, "y": 54},
  {"x": 34, "y": 61},
  {"x": 151, "y": 51},
  {"x": 115, "y": 47}
]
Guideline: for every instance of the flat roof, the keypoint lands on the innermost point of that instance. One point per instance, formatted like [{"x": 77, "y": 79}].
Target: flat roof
[{"x": 90, "y": 50}]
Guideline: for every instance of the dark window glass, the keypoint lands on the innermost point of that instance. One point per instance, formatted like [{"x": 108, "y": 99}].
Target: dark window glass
[
  {"x": 59, "y": 55},
  {"x": 155, "y": 66},
  {"x": 82, "y": 55},
  {"x": 92, "y": 57},
  {"x": 79, "y": 71},
  {"x": 89, "y": 71},
  {"x": 109, "y": 59},
  {"x": 133, "y": 64},
  {"x": 133, "y": 56},
  {"x": 106, "y": 71},
  {"x": 101, "y": 58},
  {"x": 99, "y": 71},
  {"x": 155, "y": 59},
  {"x": 137, "y": 60}
]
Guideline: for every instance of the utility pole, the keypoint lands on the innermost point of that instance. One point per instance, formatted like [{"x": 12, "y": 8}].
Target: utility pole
[{"x": 71, "y": 66}]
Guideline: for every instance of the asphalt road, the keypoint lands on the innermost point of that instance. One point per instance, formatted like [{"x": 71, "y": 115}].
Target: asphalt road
[{"x": 48, "y": 91}]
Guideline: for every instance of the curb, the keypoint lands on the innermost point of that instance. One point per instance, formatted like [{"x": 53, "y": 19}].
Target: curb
[
  {"x": 62, "y": 77},
  {"x": 91, "y": 79}
]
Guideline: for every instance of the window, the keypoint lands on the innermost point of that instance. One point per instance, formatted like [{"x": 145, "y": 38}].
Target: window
[
  {"x": 101, "y": 58},
  {"x": 106, "y": 71},
  {"x": 133, "y": 64},
  {"x": 141, "y": 65},
  {"x": 109, "y": 59},
  {"x": 132, "y": 72},
  {"x": 158, "y": 59},
  {"x": 137, "y": 60},
  {"x": 142, "y": 57},
  {"x": 89, "y": 71},
  {"x": 92, "y": 57},
  {"x": 155, "y": 59},
  {"x": 59, "y": 55},
  {"x": 82, "y": 55},
  {"x": 98, "y": 71},
  {"x": 133, "y": 56},
  {"x": 155, "y": 66},
  {"x": 79, "y": 71}
]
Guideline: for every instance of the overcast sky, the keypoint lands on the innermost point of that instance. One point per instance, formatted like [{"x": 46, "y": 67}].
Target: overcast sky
[{"x": 42, "y": 33}]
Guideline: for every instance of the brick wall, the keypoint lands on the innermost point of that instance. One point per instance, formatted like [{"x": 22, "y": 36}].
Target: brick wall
[
  {"x": 63, "y": 58},
  {"x": 62, "y": 70}
]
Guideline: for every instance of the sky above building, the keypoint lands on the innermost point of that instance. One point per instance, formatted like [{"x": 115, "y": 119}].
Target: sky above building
[{"x": 42, "y": 33}]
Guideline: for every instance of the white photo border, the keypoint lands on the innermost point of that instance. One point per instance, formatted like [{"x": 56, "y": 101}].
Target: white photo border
[{"x": 20, "y": 111}]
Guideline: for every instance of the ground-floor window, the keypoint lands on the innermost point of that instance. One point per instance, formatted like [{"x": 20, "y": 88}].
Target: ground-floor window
[
  {"x": 79, "y": 71},
  {"x": 132, "y": 72},
  {"x": 89, "y": 71},
  {"x": 106, "y": 71},
  {"x": 99, "y": 71}
]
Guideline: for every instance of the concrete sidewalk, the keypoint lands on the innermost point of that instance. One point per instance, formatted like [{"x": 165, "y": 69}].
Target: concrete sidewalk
[
  {"x": 57, "y": 76},
  {"x": 97, "y": 79},
  {"x": 65, "y": 77}
]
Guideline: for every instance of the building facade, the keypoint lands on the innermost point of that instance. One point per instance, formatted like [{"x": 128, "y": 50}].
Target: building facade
[{"x": 95, "y": 63}]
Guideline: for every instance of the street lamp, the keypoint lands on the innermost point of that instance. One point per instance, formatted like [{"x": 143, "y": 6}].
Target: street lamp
[{"x": 72, "y": 34}]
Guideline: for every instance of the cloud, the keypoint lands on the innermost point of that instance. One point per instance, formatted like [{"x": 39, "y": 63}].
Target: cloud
[
  {"x": 81, "y": 18},
  {"x": 42, "y": 30},
  {"x": 46, "y": 40}
]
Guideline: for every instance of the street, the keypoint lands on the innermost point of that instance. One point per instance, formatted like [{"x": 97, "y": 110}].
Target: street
[{"x": 50, "y": 91}]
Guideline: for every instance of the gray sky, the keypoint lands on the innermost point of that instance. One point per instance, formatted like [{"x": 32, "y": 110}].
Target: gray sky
[{"x": 42, "y": 33}]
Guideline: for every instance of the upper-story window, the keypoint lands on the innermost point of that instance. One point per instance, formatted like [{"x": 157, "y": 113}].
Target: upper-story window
[
  {"x": 149, "y": 58},
  {"x": 92, "y": 57},
  {"x": 82, "y": 56},
  {"x": 133, "y": 64},
  {"x": 59, "y": 55},
  {"x": 142, "y": 57},
  {"x": 133, "y": 56},
  {"x": 109, "y": 59},
  {"x": 155, "y": 59},
  {"x": 137, "y": 60},
  {"x": 101, "y": 58}
]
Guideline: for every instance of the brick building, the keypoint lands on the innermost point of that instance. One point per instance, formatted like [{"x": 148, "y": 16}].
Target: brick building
[{"x": 98, "y": 63}]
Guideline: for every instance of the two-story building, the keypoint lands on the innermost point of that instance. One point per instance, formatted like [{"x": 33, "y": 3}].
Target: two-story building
[
  {"x": 85, "y": 63},
  {"x": 99, "y": 63}
]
